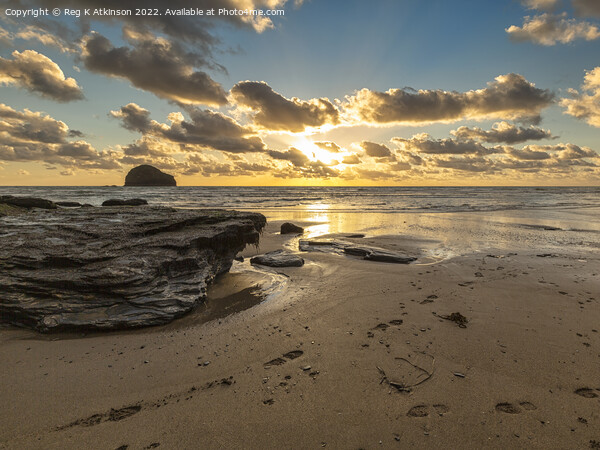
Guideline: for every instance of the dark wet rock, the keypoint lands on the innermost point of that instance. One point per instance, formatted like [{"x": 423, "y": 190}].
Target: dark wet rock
[
  {"x": 146, "y": 175},
  {"x": 27, "y": 202},
  {"x": 288, "y": 227},
  {"x": 388, "y": 257},
  {"x": 111, "y": 268},
  {"x": 278, "y": 258},
  {"x": 128, "y": 202},
  {"x": 365, "y": 252},
  {"x": 9, "y": 210},
  {"x": 69, "y": 204},
  {"x": 356, "y": 236}
]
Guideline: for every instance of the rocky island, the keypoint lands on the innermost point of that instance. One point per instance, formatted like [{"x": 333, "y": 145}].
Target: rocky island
[
  {"x": 114, "y": 267},
  {"x": 146, "y": 175}
]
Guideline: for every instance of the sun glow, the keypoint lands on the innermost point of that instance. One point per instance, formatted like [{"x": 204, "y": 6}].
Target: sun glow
[{"x": 316, "y": 153}]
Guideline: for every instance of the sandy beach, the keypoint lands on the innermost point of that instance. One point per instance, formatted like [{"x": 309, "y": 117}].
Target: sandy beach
[{"x": 346, "y": 354}]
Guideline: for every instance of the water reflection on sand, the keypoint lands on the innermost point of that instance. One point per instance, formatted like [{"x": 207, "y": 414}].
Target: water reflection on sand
[{"x": 459, "y": 232}]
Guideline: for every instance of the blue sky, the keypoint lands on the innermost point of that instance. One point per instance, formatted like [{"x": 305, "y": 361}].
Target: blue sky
[{"x": 318, "y": 49}]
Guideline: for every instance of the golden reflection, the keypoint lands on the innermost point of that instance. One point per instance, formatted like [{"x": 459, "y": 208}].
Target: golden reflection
[{"x": 318, "y": 212}]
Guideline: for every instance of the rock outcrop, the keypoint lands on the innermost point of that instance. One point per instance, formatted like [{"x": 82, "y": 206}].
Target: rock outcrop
[
  {"x": 27, "y": 202},
  {"x": 278, "y": 258},
  {"x": 127, "y": 202},
  {"x": 114, "y": 267},
  {"x": 365, "y": 252},
  {"x": 146, "y": 175},
  {"x": 69, "y": 204}
]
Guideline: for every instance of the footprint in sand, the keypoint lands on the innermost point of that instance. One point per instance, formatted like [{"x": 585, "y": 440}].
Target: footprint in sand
[
  {"x": 385, "y": 326},
  {"x": 510, "y": 408},
  {"x": 586, "y": 392},
  {"x": 425, "y": 410},
  {"x": 283, "y": 359}
]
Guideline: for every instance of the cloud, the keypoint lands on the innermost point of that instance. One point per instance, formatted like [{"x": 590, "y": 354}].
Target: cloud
[
  {"x": 300, "y": 165},
  {"x": 272, "y": 111},
  {"x": 204, "y": 130},
  {"x": 508, "y": 96},
  {"x": 586, "y": 106},
  {"x": 34, "y": 136},
  {"x": 351, "y": 159},
  {"x": 329, "y": 146},
  {"x": 422, "y": 143},
  {"x": 587, "y": 8},
  {"x": 502, "y": 132},
  {"x": 528, "y": 154},
  {"x": 466, "y": 164},
  {"x": 560, "y": 151},
  {"x": 37, "y": 73},
  {"x": 293, "y": 155},
  {"x": 547, "y": 5},
  {"x": 375, "y": 150},
  {"x": 48, "y": 39},
  {"x": 549, "y": 29},
  {"x": 158, "y": 66},
  {"x": 133, "y": 117}
]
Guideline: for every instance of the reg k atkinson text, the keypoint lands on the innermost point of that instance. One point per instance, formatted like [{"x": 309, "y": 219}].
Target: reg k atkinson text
[{"x": 41, "y": 12}]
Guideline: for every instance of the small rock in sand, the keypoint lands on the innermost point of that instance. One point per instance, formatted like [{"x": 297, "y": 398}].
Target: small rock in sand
[
  {"x": 278, "y": 258},
  {"x": 288, "y": 227}
]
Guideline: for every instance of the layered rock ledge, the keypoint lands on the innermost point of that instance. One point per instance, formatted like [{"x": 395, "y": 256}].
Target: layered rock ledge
[{"x": 114, "y": 267}]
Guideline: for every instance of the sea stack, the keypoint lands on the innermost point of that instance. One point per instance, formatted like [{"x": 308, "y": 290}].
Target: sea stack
[{"x": 146, "y": 175}]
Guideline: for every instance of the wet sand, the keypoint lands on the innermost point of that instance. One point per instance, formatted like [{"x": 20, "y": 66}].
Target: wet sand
[{"x": 348, "y": 354}]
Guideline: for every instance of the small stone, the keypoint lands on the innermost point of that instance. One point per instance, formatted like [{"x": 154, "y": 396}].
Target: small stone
[{"x": 288, "y": 227}]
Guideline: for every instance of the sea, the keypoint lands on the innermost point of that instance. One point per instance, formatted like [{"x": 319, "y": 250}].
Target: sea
[{"x": 459, "y": 219}]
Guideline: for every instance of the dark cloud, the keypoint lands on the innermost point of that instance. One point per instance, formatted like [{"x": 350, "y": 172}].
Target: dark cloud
[
  {"x": 527, "y": 154},
  {"x": 273, "y": 111},
  {"x": 422, "y": 143},
  {"x": 549, "y": 29},
  {"x": 589, "y": 8},
  {"x": 502, "y": 132},
  {"x": 158, "y": 66},
  {"x": 376, "y": 150},
  {"x": 32, "y": 136},
  {"x": 205, "y": 130},
  {"x": 37, "y": 73},
  {"x": 293, "y": 155},
  {"x": 465, "y": 164},
  {"x": 133, "y": 117},
  {"x": 562, "y": 151},
  {"x": 508, "y": 97}
]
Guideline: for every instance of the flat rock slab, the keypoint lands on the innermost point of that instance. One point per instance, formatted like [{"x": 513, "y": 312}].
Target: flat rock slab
[
  {"x": 27, "y": 202},
  {"x": 114, "y": 267},
  {"x": 362, "y": 251},
  {"x": 278, "y": 258}
]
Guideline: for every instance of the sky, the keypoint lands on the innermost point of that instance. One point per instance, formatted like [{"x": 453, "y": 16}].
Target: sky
[{"x": 291, "y": 92}]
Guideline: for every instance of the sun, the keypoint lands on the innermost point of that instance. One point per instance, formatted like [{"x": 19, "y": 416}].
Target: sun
[{"x": 316, "y": 153}]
